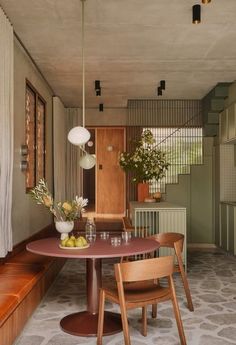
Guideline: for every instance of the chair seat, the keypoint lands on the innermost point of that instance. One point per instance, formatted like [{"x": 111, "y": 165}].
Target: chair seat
[{"x": 139, "y": 291}]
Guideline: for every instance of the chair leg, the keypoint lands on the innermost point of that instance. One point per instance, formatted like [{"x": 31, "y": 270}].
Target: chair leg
[
  {"x": 144, "y": 321},
  {"x": 125, "y": 325},
  {"x": 186, "y": 288},
  {"x": 154, "y": 311},
  {"x": 100, "y": 317},
  {"x": 177, "y": 314}
]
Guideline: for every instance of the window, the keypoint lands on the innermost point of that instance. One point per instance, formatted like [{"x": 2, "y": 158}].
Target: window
[{"x": 35, "y": 110}]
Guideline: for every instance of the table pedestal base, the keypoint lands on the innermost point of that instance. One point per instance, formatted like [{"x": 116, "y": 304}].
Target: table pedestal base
[{"x": 85, "y": 324}]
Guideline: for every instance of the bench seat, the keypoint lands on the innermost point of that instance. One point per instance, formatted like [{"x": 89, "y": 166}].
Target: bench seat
[{"x": 24, "y": 279}]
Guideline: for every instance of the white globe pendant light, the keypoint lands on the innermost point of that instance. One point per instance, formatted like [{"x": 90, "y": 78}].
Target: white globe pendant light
[
  {"x": 78, "y": 136},
  {"x": 87, "y": 161}
]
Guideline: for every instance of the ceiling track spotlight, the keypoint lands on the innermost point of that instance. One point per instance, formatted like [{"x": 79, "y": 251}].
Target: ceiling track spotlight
[
  {"x": 101, "y": 107},
  {"x": 98, "y": 92},
  {"x": 206, "y": 1},
  {"x": 97, "y": 85},
  {"x": 196, "y": 11},
  {"x": 97, "y": 88},
  {"x": 163, "y": 84},
  {"x": 159, "y": 91}
]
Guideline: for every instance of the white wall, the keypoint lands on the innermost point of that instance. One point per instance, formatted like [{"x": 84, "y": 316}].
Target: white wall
[{"x": 27, "y": 217}]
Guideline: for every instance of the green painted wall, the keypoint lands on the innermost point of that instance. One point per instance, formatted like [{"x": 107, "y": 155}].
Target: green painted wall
[{"x": 28, "y": 217}]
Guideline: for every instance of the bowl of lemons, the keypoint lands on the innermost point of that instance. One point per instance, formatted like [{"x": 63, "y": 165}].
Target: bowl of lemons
[{"x": 72, "y": 242}]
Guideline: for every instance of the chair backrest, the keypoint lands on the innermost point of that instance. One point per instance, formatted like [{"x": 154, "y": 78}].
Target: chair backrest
[
  {"x": 127, "y": 225},
  {"x": 144, "y": 269},
  {"x": 170, "y": 240}
]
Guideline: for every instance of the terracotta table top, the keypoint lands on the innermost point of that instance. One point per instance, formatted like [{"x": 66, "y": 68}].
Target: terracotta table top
[{"x": 99, "y": 249}]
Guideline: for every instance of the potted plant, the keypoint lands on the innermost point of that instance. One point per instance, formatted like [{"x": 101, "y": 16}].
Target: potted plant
[
  {"x": 64, "y": 212},
  {"x": 146, "y": 162}
]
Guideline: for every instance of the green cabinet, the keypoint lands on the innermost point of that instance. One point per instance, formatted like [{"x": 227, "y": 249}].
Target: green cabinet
[
  {"x": 228, "y": 124},
  {"x": 228, "y": 227}
]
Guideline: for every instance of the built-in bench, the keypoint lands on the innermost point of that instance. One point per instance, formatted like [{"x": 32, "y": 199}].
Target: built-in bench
[{"x": 24, "y": 279}]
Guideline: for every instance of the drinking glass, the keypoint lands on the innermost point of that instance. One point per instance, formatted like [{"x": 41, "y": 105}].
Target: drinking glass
[
  {"x": 126, "y": 236},
  {"x": 104, "y": 235},
  {"x": 90, "y": 231},
  {"x": 116, "y": 241}
]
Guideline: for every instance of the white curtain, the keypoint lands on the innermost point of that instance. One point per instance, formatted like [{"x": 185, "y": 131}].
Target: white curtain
[
  {"x": 59, "y": 148},
  {"x": 67, "y": 173},
  {"x": 73, "y": 171},
  {"x": 6, "y": 133}
]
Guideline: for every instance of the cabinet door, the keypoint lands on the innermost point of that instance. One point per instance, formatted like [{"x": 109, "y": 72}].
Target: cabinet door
[
  {"x": 224, "y": 226},
  {"x": 224, "y": 126},
  {"x": 231, "y": 122}
]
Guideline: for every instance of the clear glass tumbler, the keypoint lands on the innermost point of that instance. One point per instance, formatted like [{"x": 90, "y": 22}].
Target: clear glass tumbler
[{"x": 90, "y": 231}]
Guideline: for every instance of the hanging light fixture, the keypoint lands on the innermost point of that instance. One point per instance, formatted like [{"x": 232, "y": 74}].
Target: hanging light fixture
[
  {"x": 196, "y": 9},
  {"x": 206, "y": 1},
  {"x": 80, "y": 135}
]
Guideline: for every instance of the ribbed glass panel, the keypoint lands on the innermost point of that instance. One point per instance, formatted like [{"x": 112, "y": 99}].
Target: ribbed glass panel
[
  {"x": 177, "y": 127},
  {"x": 164, "y": 113},
  {"x": 183, "y": 148}
]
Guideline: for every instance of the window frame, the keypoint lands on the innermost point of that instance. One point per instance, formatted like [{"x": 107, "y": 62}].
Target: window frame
[{"x": 31, "y": 134}]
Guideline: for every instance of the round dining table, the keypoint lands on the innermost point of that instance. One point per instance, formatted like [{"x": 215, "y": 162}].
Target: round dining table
[{"x": 84, "y": 323}]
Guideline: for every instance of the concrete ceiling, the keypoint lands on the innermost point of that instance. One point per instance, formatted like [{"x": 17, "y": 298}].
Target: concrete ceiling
[{"x": 130, "y": 45}]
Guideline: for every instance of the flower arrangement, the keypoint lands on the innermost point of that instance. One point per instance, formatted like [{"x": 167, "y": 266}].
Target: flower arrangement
[
  {"x": 62, "y": 211},
  {"x": 147, "y": 162}
]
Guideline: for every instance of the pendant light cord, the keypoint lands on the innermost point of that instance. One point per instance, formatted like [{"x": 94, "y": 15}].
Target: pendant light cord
[{"x": 83, "y": 68}]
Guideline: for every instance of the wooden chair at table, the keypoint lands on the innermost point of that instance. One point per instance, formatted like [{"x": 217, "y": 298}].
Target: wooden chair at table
[
  {"x": 142, "y": 231},
  {"x": 128, "y": 297},
  {"x": 127, "y": 226},
  {"x": 176, "y": 241}
]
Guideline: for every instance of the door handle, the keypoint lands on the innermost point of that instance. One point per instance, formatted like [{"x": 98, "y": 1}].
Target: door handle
[{"x": 100, "y": 167}]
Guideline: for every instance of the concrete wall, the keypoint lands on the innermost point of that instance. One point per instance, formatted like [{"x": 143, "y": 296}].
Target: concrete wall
[
  {"x": 108, "y": 117},
  {"x": 27, "y": 217}
]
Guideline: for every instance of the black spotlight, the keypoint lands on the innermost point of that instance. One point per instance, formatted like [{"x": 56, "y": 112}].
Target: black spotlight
[
  {"x": 101, "y": 107},
  {"x": 196, "y": 14},
  {"x": 159, "y": 91},
  {"x": 163, "y": 84},
  {"x": 97, "y": 85},
  {"x": 97, "y": 88}
]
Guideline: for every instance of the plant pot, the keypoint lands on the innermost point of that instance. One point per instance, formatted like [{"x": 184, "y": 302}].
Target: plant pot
[
  {"x": 64, "y": 227},
  {"x": 143, "y": 191}
]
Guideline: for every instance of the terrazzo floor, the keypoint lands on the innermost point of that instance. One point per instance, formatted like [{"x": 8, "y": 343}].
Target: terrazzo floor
[{"x": 212, "y": 279}]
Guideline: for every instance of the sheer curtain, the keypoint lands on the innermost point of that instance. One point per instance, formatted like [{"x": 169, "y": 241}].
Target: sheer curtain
[
  {"x": 67, "y": 173},
  {"x": 73, "y": 171},
  {"x": 59, "y": 149},
  {"x": 6, "y": 133}
]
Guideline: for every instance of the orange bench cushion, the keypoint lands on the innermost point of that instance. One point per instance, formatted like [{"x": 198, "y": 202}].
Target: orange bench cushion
[{"x": 26, "y": 257}]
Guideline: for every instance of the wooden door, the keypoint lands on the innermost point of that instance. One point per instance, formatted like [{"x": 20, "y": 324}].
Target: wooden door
[{"x": 110, "y": 178}]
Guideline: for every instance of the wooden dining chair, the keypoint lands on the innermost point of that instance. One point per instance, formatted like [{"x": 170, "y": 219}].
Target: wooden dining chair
[
  {"x": 128, "y": 296},
  {"x": 176, "y": 241},
  {"x": 142, "y": 231},
  {"x": 127, "y": 226}
]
